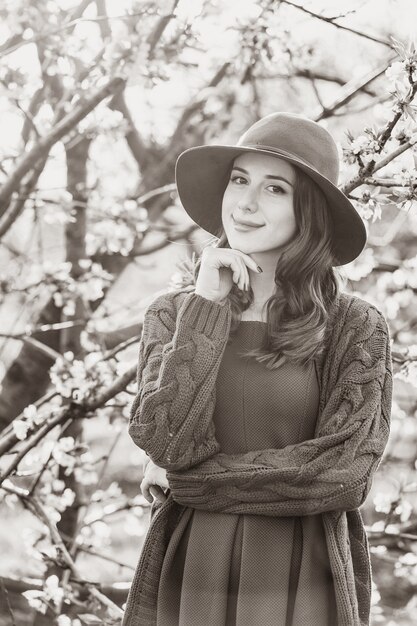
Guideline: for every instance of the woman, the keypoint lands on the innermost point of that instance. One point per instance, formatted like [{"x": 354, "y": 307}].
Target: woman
[{"x": 264, "y": 397}]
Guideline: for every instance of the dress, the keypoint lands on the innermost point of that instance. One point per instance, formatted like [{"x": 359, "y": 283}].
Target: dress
[{"x": 273, "y": 570}]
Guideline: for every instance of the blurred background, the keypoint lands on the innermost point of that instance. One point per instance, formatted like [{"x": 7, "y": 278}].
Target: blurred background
[{"x": 97, "y": 100}]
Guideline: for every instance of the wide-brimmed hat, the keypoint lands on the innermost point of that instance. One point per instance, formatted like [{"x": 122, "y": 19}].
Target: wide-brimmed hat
[{"x": 202, "y": 174}]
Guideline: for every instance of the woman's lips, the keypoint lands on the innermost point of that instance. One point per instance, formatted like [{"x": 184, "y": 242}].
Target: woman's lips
[{"x": 243, "y": 227}]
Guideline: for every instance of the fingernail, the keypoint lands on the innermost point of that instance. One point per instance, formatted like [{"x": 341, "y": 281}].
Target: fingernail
[{"x": 259, "y": 269}]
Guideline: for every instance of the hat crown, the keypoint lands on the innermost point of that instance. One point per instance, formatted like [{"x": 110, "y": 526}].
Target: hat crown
[{"x": 296, "y": 135}]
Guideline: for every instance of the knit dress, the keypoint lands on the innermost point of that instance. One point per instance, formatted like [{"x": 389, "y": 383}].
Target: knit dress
[{"x": 221, "y": 568}]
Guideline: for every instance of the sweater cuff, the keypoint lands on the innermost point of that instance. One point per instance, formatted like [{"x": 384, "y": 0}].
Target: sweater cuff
[{"x": 207, "y": 316}]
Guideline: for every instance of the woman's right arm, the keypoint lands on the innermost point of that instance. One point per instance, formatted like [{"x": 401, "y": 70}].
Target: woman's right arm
[{"x": 179, "y": 358}]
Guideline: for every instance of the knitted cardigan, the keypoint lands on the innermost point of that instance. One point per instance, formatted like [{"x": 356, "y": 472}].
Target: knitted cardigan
[{"x": 183, "y": 339}]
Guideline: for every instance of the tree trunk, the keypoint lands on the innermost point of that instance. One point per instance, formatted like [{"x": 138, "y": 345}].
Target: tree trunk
[{"x": 70, "y": 339}]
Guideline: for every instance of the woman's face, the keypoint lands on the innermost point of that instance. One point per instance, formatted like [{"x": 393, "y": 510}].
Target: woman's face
[{"x": 260, "y": 191}]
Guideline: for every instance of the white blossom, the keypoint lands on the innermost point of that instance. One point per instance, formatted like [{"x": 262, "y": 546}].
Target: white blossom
[
  {"x": 408, "y": 373},
  {"x": 358, "y": 144},
  {"x": 404, "y": 510},
  {"x": 396, "y": 71},
  {"x": 20, "y": 428},
  {"x": 85, "y": 476},
  {"x": 35, "y": 600},
  {"x": 53, "y": 590}
]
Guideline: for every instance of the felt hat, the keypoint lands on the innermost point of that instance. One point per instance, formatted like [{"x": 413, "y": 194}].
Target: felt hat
[{"x": 202, "y": 174}]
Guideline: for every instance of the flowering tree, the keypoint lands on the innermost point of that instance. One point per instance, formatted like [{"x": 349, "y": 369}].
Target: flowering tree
[{"x": 75, "y": 103}]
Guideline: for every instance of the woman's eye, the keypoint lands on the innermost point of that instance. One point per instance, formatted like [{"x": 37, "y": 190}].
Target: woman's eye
[
  {"x": 276, "y": 189},
  {"x": 238, "y": 179}
]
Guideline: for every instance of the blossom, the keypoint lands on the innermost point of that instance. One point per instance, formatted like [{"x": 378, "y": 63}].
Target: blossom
[
  {"x": 39, "y": 599},
  {"x": 404, "y": 510},
  {"x": 96, "y": 535},
  {"x": 61, "y": 453},
  {"x": 359, "y": 144},
  {"x": 85, "y": 475},
  {"x": 112, "y": 491},
  {"x": 65, "y": 620},
  {"x": 396, "y": 71},
  {"x": 20, "y": 428},
  {"x": 364, "y": 146},
  {"x": 31, "y": 413},
  {"x": 31, "y": 417},
  {"x": 35, "y": 600},
  {"x": 408, "y": 373}
]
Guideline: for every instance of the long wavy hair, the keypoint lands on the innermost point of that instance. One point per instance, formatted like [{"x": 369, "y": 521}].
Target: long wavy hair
[{"x": 306, "y": 283}]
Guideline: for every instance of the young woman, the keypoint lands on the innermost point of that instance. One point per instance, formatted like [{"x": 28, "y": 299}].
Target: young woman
[{"x": 264, "y": 397}]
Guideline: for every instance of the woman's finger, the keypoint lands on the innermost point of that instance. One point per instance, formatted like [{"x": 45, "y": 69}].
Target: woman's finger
[
  {"x": 248, "y": 261},
  {"x": 235, "y": 263},
  {"x": 244, "y": 275},
  {"x": 144, "y": 487},
  {"x": 157, "y": 492}
]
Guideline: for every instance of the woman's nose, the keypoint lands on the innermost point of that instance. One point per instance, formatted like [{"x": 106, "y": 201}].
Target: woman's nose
[{"x": 248, "y": 200}]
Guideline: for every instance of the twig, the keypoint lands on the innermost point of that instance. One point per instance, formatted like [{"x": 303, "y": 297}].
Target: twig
[
  {"x": 156, "y": 34},
  {"x": 330, "y": 20},
  {"x": 357, "y": 180},
  {"x": 28, "y": 117},
  {"x": 110, "y": 354},
  {"x": 71, "y": 412},
  {"x": 8, "y": 219},
  {"x": 50, "y": 352},
  {"x": 31, "y": 443},
  {"x": 171, "y": 238},
  {"x": 105, "y": 557},
  {"x": 309, "y": 75},
  {"x": 37, "y": 509},
  {"x": 81, "y": 518},
  {"x": 155, "y": 192},
  {"x": 6, "y": 597},
  {"x": 392, "y": 155},
  {"x": 39, "y": 402},
  {"x": 44, "y": 466},
  {"x": 56, "y": 31},
  {"x": 108, "y": 512},
  {"x": 386, "y": 182},
  {"x": 351, "y": 89},
  {"x": 316, "y": 91}
]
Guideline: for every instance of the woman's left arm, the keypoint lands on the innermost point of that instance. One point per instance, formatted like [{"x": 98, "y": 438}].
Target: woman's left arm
[{"x": 331, "y": 472}]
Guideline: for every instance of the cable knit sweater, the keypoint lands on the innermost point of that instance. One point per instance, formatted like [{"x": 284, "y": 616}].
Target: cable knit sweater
[{"x": 183, "y": 339}]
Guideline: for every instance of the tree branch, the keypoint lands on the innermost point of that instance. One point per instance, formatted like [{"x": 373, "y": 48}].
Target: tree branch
[
  {"x": 42, "y": 147},
  {"x": 330, "y": 20},
  {"x": 9, "y": 217},
  {"x": 359, "y": 179},
  {"x": 71, "y": 411},
  {"x": 157, "y": 32},
  {"x": 312, "y": 74},
  {"x": 134, "y": 140},
  {"x": 70, "y": 24},
  {"x": 37, "y": 509},
  {"x": 351, "y": 89}
]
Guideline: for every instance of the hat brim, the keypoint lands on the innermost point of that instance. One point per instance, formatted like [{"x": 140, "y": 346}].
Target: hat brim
[{"x": 202, "y": 174}]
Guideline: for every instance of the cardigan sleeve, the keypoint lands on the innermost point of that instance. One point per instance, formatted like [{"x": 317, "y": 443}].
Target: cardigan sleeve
[
  {"x": 179, "y": 357},
  {"x": 331, "y": 472}
]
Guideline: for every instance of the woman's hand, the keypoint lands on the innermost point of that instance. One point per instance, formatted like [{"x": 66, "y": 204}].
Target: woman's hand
[
  {"x": 219, "y": 269},
  {"x": 154, "y": 482}
]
